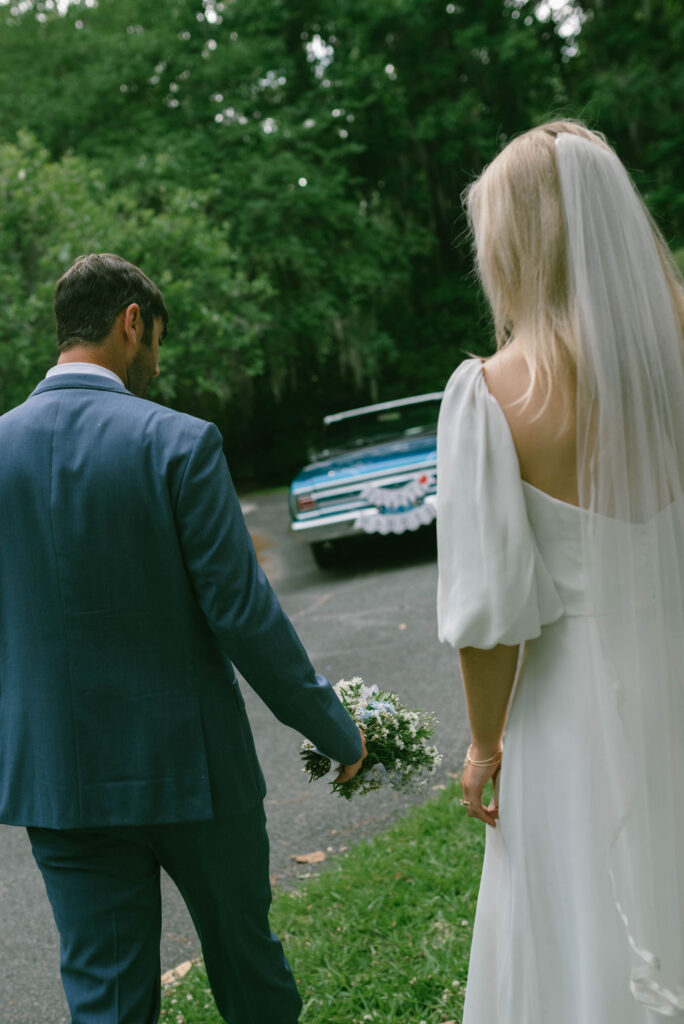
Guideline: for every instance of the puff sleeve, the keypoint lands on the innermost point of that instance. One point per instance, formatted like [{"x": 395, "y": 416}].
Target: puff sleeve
[{"x": 493, "y": 585}]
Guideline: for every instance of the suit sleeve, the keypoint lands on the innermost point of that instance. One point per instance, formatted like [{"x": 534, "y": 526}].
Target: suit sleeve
[{"x": 242, "y": 609}]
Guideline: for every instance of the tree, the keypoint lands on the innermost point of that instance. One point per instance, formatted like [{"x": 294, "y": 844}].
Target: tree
[
  {"x": 335, "y": 138},
  {"x": 628, "y": 79},
  {"x": 50, "y": 212}
]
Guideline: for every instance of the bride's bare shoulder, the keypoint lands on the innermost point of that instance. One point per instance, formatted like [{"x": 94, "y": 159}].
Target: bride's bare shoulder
[{"x": 507, "y": 376}]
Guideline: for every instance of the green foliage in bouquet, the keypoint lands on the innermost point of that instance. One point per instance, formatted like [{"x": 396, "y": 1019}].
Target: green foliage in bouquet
[{"x": 397, "y": 740}]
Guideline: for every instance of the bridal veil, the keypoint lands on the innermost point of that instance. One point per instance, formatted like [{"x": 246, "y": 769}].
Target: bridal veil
[{"x": 630, "y": 428}]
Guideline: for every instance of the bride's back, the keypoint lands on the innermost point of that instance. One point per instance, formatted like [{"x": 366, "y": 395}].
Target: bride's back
[{"x": 543, "y": 428}]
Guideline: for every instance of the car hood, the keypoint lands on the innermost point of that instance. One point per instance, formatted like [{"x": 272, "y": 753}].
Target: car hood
[{"x": 370, "y": 460}]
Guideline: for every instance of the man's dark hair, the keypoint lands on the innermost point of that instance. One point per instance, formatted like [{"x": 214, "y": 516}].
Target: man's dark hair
[{"x": 92, "y": 293}]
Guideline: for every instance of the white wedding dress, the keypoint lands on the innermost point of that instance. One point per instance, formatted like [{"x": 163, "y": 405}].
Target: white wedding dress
[{"x": 549, "y": 946}]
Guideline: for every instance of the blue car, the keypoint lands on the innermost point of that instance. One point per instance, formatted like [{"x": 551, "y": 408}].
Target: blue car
[{"x": 375, "y": 473}]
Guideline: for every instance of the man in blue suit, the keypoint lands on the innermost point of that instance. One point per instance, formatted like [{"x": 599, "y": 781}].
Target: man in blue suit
[{"x": 129, "y": 588}]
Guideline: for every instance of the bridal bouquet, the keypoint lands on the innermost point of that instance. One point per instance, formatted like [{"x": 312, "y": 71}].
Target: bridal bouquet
[{"x": 396, "y": 740}]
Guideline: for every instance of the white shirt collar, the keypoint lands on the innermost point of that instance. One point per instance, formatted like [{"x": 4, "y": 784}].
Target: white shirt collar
[{"x": 93, "y": 368}]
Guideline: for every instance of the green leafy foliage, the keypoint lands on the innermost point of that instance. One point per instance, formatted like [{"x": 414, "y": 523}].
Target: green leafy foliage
[
  {"x": 628, "y": 79},
  {"x": 335, "y": 139},
  {"x": 51, "y": 212}
]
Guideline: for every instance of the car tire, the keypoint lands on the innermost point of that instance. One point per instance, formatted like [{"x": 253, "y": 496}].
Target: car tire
[{"x": 325, "y": 553}]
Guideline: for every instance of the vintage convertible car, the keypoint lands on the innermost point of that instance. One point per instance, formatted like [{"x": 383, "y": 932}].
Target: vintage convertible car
[{"x": 375, "y": 473}]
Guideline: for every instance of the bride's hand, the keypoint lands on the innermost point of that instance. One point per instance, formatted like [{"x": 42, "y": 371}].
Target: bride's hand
[{"x": 473, "y": 782}]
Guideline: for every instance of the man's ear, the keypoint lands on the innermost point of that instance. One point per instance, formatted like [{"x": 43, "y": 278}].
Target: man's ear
[{"x": 132, "y": 323}]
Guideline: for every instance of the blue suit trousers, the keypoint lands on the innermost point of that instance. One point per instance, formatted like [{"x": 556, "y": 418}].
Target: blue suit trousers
[{"x": 104, "y": 887}]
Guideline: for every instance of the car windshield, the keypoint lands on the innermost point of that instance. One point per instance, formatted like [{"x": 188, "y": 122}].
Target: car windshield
[{"x": 381, "y": 425}]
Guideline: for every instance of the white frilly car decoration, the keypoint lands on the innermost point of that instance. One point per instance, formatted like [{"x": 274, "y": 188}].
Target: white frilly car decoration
[{"x": 399, "y": 508}]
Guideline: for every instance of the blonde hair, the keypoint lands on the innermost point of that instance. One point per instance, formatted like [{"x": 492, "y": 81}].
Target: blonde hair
[{"x": 515, "y": 211}]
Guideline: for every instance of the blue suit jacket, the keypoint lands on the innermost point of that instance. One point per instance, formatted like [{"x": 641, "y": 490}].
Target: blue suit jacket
[{"x": 128, "y": 585}]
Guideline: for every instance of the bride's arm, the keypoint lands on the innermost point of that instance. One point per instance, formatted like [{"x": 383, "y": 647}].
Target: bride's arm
[{"x": 488, "y": 678}]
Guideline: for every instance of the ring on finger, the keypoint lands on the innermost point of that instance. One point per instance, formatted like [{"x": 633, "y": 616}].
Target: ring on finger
[{"x": 465, "y": 803}]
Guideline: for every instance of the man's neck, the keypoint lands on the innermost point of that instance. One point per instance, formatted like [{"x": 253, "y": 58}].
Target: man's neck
[
  {"x": 86, "y": 354},
  {"x": 96, "y": 355}
]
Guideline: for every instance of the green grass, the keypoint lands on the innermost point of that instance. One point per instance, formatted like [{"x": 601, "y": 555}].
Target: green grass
[
  {"x": 381, "y": 935},
  {"x": 265, "y": 492}
]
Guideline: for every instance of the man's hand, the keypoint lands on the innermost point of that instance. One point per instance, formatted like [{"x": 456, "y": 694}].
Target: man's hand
[{"x": 348, "y": 771}]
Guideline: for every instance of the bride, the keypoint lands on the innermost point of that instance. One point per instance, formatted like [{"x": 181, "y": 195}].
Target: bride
[{"x": 561, "y": 583}]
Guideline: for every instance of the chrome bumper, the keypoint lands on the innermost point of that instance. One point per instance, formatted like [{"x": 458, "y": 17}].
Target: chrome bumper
[{"x": 337, "y": 525}]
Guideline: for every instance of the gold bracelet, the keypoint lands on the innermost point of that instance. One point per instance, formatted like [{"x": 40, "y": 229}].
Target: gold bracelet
[{"x": 489, "y": 763}]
